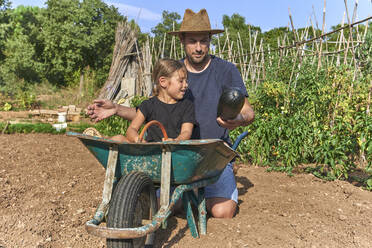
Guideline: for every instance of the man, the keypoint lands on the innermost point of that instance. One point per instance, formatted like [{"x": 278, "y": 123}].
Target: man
[{"x": 207, "y": 77}]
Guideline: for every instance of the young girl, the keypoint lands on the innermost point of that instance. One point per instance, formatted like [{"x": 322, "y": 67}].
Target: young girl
[{"x": 167, "y": 105}]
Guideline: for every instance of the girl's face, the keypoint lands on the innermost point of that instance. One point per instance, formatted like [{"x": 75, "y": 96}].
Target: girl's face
[{"x": 175, "y": 86}]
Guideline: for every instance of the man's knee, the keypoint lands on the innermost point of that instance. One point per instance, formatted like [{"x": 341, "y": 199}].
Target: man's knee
[{"x": 221, "y": 208}]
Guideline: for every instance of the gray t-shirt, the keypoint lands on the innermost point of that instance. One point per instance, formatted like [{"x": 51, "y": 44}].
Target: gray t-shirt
[{"x": 205, "y": 89}]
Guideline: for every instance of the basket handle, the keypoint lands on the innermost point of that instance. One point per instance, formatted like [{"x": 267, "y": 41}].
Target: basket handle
[{"x": 153, "y": 122}]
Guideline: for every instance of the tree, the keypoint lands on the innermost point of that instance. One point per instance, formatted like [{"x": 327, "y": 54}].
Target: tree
[
  {"x": 4, "y": 20},
  {"x": 78, "y": 34},
  {"x": 22, "y": 47},
  {"x": 235, "y": 27},
  {"x": 271, "y": 37},
  {"x": 170, "y": 22}
]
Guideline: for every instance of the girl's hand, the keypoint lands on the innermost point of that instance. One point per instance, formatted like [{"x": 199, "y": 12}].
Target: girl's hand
[{"x": 169, "y": 139}]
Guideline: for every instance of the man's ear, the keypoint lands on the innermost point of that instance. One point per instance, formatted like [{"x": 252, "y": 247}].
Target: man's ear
[
  {"x": 181, "y": 36},
  {"x": 163, "y": 82}
]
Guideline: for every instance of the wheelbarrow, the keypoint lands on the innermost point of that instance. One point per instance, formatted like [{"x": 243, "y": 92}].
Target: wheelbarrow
[{"x": 129, "y": 204}]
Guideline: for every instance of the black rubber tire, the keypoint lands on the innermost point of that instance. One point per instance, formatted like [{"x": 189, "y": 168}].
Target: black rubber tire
[{"x": 133, "y": 200}]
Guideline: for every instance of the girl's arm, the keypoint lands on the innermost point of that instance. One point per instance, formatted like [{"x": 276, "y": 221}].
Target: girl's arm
[
  {"x": 186, "y": 131},
  {"x": 132, "y": 131}
]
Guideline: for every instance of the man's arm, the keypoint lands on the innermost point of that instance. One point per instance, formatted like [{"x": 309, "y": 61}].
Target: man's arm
[
  {"x": 102, "y": 109},
  {"x": 244, "y": 118},
  {"x": 125, "y": 112}
]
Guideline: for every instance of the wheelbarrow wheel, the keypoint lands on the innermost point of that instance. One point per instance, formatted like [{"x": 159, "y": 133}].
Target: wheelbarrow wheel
[{"x": 133, "y": 203}]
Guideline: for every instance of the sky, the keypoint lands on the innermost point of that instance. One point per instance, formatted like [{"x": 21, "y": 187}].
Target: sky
[{"x": 267, "y": 14}]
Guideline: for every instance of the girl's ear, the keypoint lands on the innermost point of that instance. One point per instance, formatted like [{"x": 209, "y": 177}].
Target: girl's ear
[{"x": 163, "y": 82}]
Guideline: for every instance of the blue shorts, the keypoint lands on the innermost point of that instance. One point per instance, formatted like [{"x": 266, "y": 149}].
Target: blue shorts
[{"x": 225, "y": 187}]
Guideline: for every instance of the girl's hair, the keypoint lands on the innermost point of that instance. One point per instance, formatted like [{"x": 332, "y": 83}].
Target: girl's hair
[{"x": 165, "y": 68}]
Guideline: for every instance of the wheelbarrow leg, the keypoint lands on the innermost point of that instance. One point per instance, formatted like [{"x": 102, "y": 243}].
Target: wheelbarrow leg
[
  {"x": 108, "y": 184},
  {"x": 202, "y": 212},
  {"x": 165, "y": 180},
  {"x": 199, "y": 202},
  {"x": 186, "y": 200}
]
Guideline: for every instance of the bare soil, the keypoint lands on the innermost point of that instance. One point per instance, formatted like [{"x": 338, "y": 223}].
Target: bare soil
[{"x": 50, "y": 185}]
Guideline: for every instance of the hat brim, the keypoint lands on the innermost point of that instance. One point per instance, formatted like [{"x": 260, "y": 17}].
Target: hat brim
[{"x": 211, "y": 31}]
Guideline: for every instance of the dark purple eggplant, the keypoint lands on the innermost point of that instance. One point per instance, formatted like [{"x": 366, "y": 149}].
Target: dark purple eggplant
[{"x": 230, "y": 103}]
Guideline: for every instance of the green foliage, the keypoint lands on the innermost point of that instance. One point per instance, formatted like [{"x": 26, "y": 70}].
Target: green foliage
[
  {"x": 7, "y": 106},
  {"x": 79, "y": 128},
  {"x": 22, "y": 48},
  {"x": 236, "y": 27},
  {"x": 77, "y": 34},
  {"x": 364, "y": 55},
  {"x": 137, "y": 100},
  {"x": 4, "y": 6},
  {"x": 56, "y": 43},
  {"x": 322, "y": 121},
  {"x": 4, "y": 20},
  {"x": 26, "y": 100},
  {"x": 170, "y": 22},
  {"x": 321, "y": 172},
  {"x": 41, "y": 128},
  {"x": 369, "y": 184},
  {"x": 29, "y": 128},
  {"x": 113, "y": 125},
  {"x": 271, "y": 37},
  {"x": 116, "y": 125}
]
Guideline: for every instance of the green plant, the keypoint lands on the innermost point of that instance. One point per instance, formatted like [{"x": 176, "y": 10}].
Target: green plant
[
  {"x": 7, "y": 106},
  {"x": 137, "y": 100},
  {"x": 317, "y": 119},
  {"x": 112, "y": 126},
  {"x": 30, "y": 128},
  {"x": 369, "y": 184},
  {"x": 26, "y": 100}
]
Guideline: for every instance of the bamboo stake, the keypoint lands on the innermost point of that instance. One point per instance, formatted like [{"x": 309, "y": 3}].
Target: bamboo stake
[
  {"x": 352, "y": 50},
  {"x": 369, "y": 98},
  {"x": 300, "y": 60},
  {"x": 280, "y": 55},
  {"x": 341, "y": 39},
  {"x": 263, "y": 62},
  {"x": 320, "y": 44},
  {"x": 241, "y": 58},
  {"x": 253, "y": 74},
  {"x": 337, "y": 40},
  {"x": 219, "y": 46},
  {"x": 226, "y": 46},
  {"x": 297, "y": 49},
  {"x": 163, "y": 48},
  {"x": 268, "y": 49}
]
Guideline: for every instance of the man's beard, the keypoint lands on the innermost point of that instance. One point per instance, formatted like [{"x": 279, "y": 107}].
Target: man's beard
[{"x": 200, "y": 61}]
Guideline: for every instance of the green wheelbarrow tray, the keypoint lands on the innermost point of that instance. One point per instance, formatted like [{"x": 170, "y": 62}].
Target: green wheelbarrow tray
[
  {"x": 192, "y": 160},
  {"x": 184, "y": 165}
]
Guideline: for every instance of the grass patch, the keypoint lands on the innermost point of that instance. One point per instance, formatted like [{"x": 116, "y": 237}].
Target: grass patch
[
  {"x": 40, "y": 128},
  {"x": 29, "y": 128}
]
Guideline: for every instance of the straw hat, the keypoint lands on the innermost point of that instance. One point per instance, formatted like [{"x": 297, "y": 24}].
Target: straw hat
[{"x": 196, "y": 23}]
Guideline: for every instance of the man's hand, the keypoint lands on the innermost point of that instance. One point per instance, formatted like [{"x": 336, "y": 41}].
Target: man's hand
[
  {"x": 231, "y": 124},
  {"x": 101, "y": 109},
  {"x": 244, "y": 118}
]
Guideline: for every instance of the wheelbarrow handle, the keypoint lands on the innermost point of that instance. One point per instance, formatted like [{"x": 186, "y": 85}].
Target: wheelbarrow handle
[
  {"x": 237, "y": 141},
  {"x": 153, "y": 122}
]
